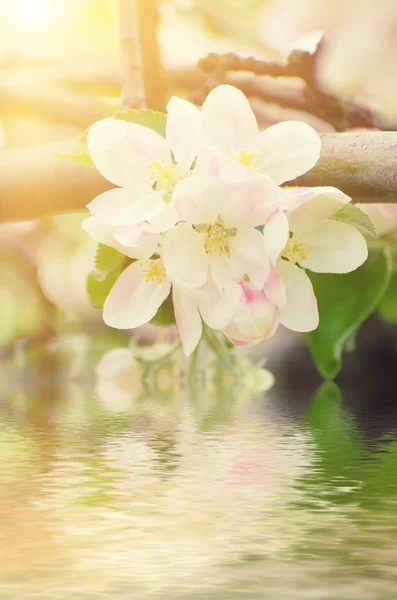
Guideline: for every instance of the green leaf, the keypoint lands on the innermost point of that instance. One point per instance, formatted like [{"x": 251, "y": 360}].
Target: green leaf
[
  {"x": 78, "y": 153},
  {"x": 165, "y": 314},
  {"x": 107, "y": 259},
  {"x": 144, "y": 116},
  {"x": 344, "y": 302},
  {"x": 388, "y": 303},
  {"x": 98, "y": 287},
  {"x": 109, "y": 264},
  {"x": 353, "y": 215}
]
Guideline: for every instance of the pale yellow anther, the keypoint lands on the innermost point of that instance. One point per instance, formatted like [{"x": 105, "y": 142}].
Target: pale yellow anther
[
  {"x": 153, "y": 270},
  {"x": 248, "y": 159},
  {"x": 296, "y": 250},
  {"x": 217, "y": 242},
  {"x": 165, "y": 176}
]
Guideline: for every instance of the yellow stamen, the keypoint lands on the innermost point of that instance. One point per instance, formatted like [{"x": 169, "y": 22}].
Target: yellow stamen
[
  {"x": 248, "y": 159},
  {"x": 217, "y": 242},
  {"x": 165, "y": 176},
  {"x": 296, "y": 251},
  {"x": 153, "y": 270}
]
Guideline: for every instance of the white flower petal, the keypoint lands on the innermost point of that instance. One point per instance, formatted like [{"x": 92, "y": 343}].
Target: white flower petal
[
  {"x": 199, "y": 199},
  {"x": 335, "y": 247},
  {"x": 217, "y": 305},
  {"x": 230, "y": 123},
  {"x": 108, "y": 204},
  {"x": 300, "y": 312},
  {"x": 133, "y": 301},
  {"x": 135, "y": 236},
  {"x": 185, "y": 259},
  {"x": 164, "y": 221},
  {"x": 274, "y": 289},
  {"x": 276, "y": 234},
  {"x": 123, "y": 151},
  {"x": 185, "y": 133},
  {"x": 313, "y": 206},
  {"x": 145, "y": 204},
  {"x": 248, "y": 202},
  {"x": 187, "y": 319},
  {"x": 248, "y": 256},
  {"x": 101, "y": 231},
  {"x": 287, "y": 150}
]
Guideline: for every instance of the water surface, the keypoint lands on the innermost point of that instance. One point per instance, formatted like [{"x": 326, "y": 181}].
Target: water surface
[{"x": 220, "y": 496}]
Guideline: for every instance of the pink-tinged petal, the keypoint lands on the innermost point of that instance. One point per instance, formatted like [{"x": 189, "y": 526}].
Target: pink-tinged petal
[
  {"x": 123, "y": 151},
  {"x": 185, "y": 258},
  {"x": 335, "y": 247},
  {"x": 187, "y": 319},
  {"x": 133, "y": 301},
  {"x": 217, "y": 305},
  {"x": 114, "y": 362},
  {"x": 255, "y": 320},
  {"x": 276, "y": 234},
  {"x": 164, "y": 221},
  {"x": 198, "y": 200},
  {"x": 287, "y": 150},
  {"x": 300, "y": 312},
  {"x": 230, "y": 123},
  {"x": 135, "y": 236},
  {"x": 274, "y": 289},
  {"x": 185, "y": 133},
  {"x": 248, "y": 257},
  {"x": 207, "y": 164},
  {"x": 313, "y": 207},
  {"x": 248, "y": 202},
  {"x": 140, "y": 208},
  {"x": 101, "y": 231}
]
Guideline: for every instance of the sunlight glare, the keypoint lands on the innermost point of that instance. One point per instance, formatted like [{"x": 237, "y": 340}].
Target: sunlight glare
[{"x": 35, "y": 12}]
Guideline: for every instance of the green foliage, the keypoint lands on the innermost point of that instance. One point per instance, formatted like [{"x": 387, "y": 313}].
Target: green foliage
[
  {"x": 352, "y": 215},
  {"x": 109, "y": 264},
  {"x": 78, "y": 153},
  {"x": 388, "y": 303},
  {"x": 344, "y": 302},
  {"x": 165, "y": 314},
  {"x": 145, "y": 116},
  {"x": 107, "y": 259}
]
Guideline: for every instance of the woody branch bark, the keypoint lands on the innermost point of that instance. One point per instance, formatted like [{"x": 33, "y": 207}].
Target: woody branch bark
[
  {"x": 133, "y": 90},
  {"x": 35, "y": 182}
]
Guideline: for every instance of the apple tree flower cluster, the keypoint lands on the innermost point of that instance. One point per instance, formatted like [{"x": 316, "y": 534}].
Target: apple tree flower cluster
[{"x": 203, "y": 217}]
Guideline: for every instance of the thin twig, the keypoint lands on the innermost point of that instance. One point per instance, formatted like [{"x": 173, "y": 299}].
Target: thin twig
[
  {"x": 133, "y": 90},
  {"x": 303, "y": 65}
]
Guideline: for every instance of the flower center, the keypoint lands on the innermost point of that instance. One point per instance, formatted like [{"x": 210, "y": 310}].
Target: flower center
[
  {"x": 217, "y": 237},
  {"x": 153, "y": 270},
  {"x": 296, "y": 250},
  {"x": 248, "y": 159},
  {"x": 165, "y": 177}
]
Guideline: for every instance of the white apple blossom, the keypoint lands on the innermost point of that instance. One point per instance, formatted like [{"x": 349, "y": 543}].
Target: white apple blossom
[
  {"x": 283, "y": 151},
  {"x": 307, "y": 237},
  {"x": 145, "y": 166}
]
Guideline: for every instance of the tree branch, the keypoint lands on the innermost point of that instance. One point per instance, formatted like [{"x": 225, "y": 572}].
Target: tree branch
[
  {"x": 341, "y": 115},
  {"x": 49, "y": 102},
  {"x": 133, "y": 90},
  {"x": 35, "y": 182}
]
